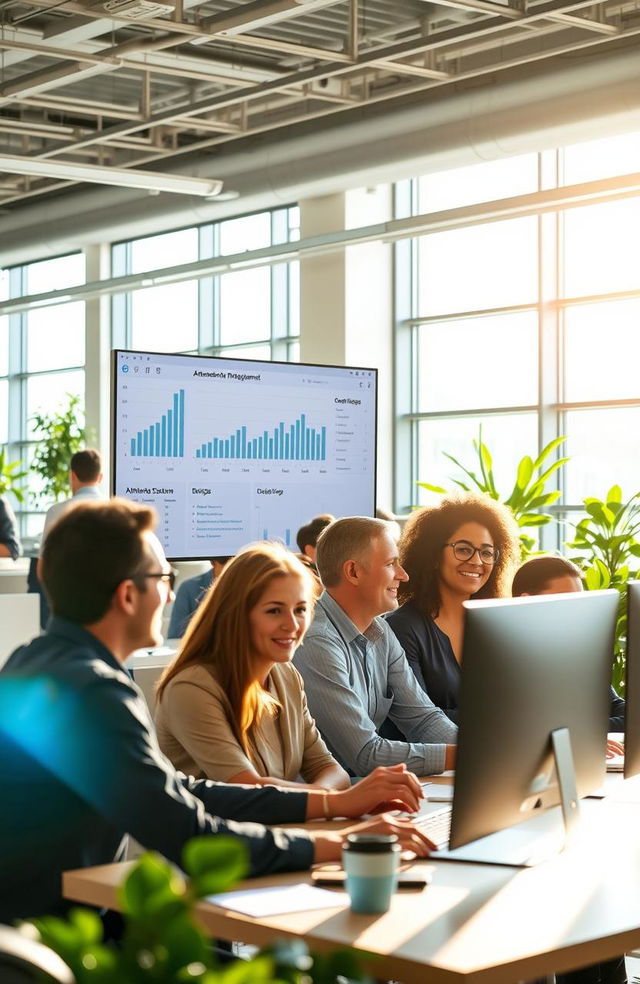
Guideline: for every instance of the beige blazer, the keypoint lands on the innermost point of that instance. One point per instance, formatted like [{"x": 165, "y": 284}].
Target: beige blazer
[{"x": 192, "y": 721}]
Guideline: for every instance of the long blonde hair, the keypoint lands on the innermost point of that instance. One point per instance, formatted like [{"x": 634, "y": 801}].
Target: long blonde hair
[{"x": 219, "y": 635}]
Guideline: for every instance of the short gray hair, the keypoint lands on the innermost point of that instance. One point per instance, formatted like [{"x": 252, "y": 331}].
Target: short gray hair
[{"x": 345, "y": 539}]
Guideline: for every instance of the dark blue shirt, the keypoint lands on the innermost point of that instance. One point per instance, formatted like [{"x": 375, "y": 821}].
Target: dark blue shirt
[
  {"x": 430, "y": 656},
  {"x": 80, "y": 767}
]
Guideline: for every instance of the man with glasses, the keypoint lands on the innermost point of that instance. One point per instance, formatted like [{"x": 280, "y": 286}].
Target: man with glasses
[
  {"x": 80, "y": 765},
  {"x": 354, "y": 669}
]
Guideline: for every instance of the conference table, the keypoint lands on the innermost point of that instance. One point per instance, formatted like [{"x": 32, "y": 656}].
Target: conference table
[{"x": 473, "y": 922}]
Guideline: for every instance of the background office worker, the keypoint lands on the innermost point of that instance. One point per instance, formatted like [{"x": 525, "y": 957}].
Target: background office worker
[
  {"x": 190, "y": 594},
  {"x": 85, "y": 475},
  {"x": 80, "y": 765},
  {"x": 307, "y": 535},
  {"x": 354, "y": 670},
  {"x": 466, "y": 546},
  {"x": 9, "y": 540},
  {"x": 232, "y": 707}
]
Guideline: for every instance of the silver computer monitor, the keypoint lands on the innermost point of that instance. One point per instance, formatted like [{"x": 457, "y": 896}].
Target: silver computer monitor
[
  {"x": 632, "y": 683},
  {"x": 530, "y": 667}
]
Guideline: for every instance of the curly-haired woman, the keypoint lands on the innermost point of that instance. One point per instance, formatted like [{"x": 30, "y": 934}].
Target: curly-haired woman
[{"x": 464, "y": 547}]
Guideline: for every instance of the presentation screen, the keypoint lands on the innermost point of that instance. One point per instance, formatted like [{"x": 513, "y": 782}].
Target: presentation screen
[{"x": 229, "y": 451}]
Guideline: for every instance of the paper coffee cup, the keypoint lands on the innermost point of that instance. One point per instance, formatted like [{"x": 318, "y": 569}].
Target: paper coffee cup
[{"x": 371, "y": 864}]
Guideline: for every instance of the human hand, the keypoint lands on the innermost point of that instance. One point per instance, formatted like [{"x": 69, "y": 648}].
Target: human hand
[
  {"x": 410, "y": 837},
  {"x": 614, "y": 748},
  {"x": 386, "y": 788}
]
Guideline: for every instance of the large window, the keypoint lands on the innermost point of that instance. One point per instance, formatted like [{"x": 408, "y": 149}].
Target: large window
[
  {"x": 251, "y": 313},
  {"x": 42, "y": 356},
  {"x": 528, "y": 326}
]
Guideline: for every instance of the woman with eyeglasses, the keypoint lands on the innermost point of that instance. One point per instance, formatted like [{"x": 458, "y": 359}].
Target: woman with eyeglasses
[
  {"x": 231, "y": 706},
  {"x": 464, "y": 547}
]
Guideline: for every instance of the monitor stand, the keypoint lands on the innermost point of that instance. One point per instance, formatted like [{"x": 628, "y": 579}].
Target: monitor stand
[{"x": 540, "y": 836}]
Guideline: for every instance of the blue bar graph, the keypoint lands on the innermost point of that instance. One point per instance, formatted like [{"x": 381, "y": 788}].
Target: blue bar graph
[
  {"x": 286, "y": 442},
  {"x": 165, "y": 437},
  {"x": 286, "y": 539}
]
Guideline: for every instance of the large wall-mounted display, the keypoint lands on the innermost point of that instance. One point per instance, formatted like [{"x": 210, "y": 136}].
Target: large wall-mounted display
[{"x": 233, "y": 450}]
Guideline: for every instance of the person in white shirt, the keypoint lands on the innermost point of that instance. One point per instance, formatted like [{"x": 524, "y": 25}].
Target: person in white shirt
[{"x": 85, "y": 475}]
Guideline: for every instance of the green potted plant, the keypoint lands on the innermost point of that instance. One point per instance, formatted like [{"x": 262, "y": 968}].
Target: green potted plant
[
  {"x": 10, "y": 476},
  {"x": 162, "y": 942},
  {"x": 528, "y": 495},
  {"x": 60, "y": 434}
]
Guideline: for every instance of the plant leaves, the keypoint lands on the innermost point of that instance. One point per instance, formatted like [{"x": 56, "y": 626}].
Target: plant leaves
[{"x": 215, "y": 863}]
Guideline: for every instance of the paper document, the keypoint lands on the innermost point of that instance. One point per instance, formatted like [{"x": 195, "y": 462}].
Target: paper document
[{"x": 272, "y": 901}]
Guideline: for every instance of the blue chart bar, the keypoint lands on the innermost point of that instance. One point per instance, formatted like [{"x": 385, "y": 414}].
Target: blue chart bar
[
  {"x": 286, "y": 442},
  {"x": 165, "y": 437},
  {"x": 286, "y": 539}
]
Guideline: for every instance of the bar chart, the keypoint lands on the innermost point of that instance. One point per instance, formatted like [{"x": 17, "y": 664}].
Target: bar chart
[
  {"x": 165, "y": 437},
  {"x": 285, "y": 442}
]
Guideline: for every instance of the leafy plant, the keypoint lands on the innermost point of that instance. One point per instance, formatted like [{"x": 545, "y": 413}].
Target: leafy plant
[
  {"x": 162, "y": 942},
  {"x": 10, "y": 476},
  {"x": 608, "y": 551},
  {"x": 528, "y": 495},
  {"x": 60, "y": 434}
]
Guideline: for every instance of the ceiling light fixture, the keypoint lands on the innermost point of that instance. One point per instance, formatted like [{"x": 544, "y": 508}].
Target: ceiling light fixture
[{"x": 178, "y": 184}]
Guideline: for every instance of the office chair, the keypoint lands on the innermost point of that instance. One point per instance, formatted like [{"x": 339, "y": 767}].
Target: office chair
[{"x": 23, "y": 961}]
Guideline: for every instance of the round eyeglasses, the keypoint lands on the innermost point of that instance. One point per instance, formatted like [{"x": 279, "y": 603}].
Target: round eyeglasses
[{"x": 463, "y": 550}]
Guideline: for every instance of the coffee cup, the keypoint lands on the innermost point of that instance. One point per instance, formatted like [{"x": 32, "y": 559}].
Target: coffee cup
[{"x": 371, "y": 863}]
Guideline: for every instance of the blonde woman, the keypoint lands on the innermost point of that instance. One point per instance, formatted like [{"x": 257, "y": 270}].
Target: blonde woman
[{"x": 231, "y": 707}]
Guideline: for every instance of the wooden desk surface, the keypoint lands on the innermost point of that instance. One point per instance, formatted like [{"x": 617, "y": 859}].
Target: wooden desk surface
[{"x": 480, "y": 923}]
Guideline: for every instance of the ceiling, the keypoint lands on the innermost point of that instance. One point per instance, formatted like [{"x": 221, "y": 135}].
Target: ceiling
[{"x": 167, "y": 85}]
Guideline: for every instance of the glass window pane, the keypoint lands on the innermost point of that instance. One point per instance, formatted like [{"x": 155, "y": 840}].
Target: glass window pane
[
  {"x": 165, "y": 319},
  {"x": 604, "y": 447},
  {"x": 508, "y": 437},
  {"x": 484, "y": 182},
  {"x": 294, "y": 224},
  {"x": 457, "y": 369},
  {"x": 4, "y": 285},
  {"x": 4, "y": 346},
  {"x": 602, "y": 158},
  {"x": 170, "y": 249},
  {"x": 294, "y": 298},
  {"x": 55, "y": 337},
  {"x": 601, "y": 244},
  {"x": 249, "y": 352},
  {"x": 48, "y": 392},
  {"x": 293, "y": 352},
  {"x": 599, "y": 370},
  {"x": 249, "y": 232},
  {"x": 486, "y": 266},
  {"x": 4, "y": 411},
  {"x": 245, "y": 306},
  {"x": 63, "y": 271}
]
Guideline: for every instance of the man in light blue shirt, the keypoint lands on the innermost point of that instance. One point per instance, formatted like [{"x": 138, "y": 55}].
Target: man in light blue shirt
[
  {"x": 354, "y": 669},
  {"x": 85, "y": 475}
]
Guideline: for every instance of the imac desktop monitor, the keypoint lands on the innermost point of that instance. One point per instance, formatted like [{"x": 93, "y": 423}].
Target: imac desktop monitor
[
  {"x": 531, "y": 667},
  {"x": 230, "y": 451},
  {"x": 632, "y": 684}
]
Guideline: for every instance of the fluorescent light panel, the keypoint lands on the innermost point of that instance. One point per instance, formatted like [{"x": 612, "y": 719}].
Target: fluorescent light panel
[{"x": 121, "y": 177}]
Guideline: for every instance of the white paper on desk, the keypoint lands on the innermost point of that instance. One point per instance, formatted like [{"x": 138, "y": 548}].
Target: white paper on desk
[{"x": 273, "y": 901}]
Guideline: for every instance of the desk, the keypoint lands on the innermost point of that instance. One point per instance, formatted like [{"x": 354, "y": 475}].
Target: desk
[{"x": 473, "y": 923}]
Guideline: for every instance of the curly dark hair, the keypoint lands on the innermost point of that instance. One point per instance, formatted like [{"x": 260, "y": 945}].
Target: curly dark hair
[{"x": 429, "y": 528}]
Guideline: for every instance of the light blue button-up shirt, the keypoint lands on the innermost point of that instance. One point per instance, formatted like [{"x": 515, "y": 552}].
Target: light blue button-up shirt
[{"x": 354, "y": 681}]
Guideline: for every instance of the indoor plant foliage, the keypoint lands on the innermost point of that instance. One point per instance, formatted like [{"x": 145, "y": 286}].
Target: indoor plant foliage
[
  {"x": 60, "y": 434},
  {"x": 607, "y": 548},
  {"x": 10, "y": 476},
  {"x": 162, "y": 943},
  {"x": 528, "y": 495}
]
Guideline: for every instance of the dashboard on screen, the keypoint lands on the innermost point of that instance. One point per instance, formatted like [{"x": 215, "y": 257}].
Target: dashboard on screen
[{"x": 230, "y": 451}]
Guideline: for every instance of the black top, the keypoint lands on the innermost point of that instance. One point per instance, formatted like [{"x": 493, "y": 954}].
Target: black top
[
  {"x": 80, "y": 767},
  {"x": 430, "y": 656},
  {"x": 437, "y": 671},
  {"x": 9, "y": 528}
]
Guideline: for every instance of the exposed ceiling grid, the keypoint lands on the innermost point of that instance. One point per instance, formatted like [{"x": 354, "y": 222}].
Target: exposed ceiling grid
[{"x": 136, "y": 83}]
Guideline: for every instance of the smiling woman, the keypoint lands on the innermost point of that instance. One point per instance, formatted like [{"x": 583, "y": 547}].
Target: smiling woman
[{"x": 465, "y": 547}]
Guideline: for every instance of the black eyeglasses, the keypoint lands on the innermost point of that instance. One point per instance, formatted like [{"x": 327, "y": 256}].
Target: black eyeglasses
[
  {"x": 463, "y": 550},
  {"x": 169, "y": 577}
]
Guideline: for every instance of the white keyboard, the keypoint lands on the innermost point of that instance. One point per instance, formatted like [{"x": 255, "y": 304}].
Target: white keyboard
[{"x": 436, "y": 824}]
